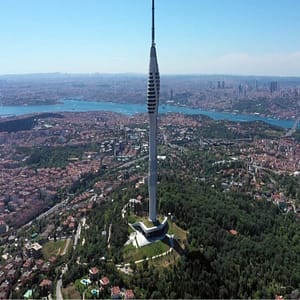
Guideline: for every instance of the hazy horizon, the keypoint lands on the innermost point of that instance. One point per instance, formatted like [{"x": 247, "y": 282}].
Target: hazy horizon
[{"x": 144, "y": 74}]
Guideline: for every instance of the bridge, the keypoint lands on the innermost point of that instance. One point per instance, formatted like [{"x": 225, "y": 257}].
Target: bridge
[{"x": 294, "y": 128}]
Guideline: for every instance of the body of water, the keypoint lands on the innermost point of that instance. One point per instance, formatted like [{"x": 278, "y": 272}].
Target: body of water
[{"x": 130, "y": 109}]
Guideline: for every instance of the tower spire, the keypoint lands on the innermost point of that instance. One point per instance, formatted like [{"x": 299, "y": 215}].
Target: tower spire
[{"x": 153, "y": 29}]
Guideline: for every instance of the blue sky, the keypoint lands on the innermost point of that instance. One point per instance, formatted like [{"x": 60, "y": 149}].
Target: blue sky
[{"x": 246, "y": 37}]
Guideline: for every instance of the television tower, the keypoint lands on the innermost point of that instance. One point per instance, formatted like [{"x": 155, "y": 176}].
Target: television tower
[{"x": 152, "y": 103}]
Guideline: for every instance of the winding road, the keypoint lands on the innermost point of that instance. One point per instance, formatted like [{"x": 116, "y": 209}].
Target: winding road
[{"x": 58, "y": 290}]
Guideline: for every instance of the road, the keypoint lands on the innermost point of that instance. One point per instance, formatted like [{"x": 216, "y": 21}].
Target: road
[
  {"x": 59, "y": 284},
  {"x": 267, "y": 169},
  {"x": 78, "y": 232},
  {"x": 58, "y": 290},
  {"x": 66, "y": 246},
  {"x": 165, "y": 137},
  {"x": 48, "y": 212},
  {"x": 109, "y": 236},
  {"x": 128, "y": 164},
  {"x": 53, "y": 209},
  {"x": 294, "y": 128}
]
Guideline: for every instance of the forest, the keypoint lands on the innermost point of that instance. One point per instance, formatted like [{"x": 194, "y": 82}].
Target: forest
[
  {"x": 259, "y": 260},
  {"x": 53, "y": 156},
  {"x": 237, "y": 247},
  {"x": 25, "y": 123}
]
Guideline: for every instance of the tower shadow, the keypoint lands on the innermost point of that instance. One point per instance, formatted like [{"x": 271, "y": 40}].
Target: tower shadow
[{"x": 173, "y": 243}]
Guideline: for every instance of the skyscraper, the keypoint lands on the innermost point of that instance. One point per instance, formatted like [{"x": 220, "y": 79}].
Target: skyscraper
[
  {"x": 274, "y": 86},
  {"x": 152, "y": 103}
]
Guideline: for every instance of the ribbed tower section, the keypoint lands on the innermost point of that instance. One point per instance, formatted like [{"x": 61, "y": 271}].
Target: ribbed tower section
[{"x": 152, "y": 103}]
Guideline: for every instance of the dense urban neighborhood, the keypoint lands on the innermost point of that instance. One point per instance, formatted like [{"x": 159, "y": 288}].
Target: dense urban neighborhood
[{"x": 65, "y": 181}]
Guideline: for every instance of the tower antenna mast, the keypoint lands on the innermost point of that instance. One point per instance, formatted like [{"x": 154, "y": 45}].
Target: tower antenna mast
[{"x": 153, "y": 29}]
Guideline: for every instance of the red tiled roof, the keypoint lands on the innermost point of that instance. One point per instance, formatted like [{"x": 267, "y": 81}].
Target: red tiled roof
[
  {"x": 45, "y": 282},
  {"x": 39, "y": 262},
  {"x": 233, "y": 232},
  {"x": 94, "y": 271},
  {"x": 115, "y": 290},
  {"x": 129, "y": 294},
  {"x": 104, "y": 281},
  {"x": 53, "y": 259}
]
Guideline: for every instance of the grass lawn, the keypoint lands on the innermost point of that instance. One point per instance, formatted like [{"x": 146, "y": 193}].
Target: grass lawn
[
  {"x": 179, "y": 233},
  {"x": 70, "y": 292},
  {"x": 131, "y": 253},
  {"x": 273, "y": 133},
  {"x": 165, "y": 261},
  {"x": 53, "y": 248},
  {"x": 133, "y": 219}
]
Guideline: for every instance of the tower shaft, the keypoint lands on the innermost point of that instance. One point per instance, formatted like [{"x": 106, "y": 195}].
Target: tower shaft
[
  {"x": 152, "y": 174},
  {"x": 152, "y": 103}
]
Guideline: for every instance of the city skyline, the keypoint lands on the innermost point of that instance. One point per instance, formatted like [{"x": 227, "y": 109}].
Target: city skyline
[{"x": 202, "y": 37}]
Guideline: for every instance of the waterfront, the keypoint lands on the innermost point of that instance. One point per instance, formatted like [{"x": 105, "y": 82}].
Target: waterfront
[{"x": 131, "y": 109}]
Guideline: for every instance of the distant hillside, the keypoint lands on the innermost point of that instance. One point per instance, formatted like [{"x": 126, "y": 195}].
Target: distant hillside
[{"x": 25, "y": 123}]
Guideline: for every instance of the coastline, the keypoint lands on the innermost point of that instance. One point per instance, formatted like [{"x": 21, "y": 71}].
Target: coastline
[{"x": 72, "y": 105}]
